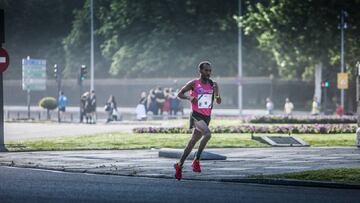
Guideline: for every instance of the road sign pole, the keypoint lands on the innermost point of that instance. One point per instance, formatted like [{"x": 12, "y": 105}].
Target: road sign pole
[
  {"x": 2, "y": 142},
  {"x": 28, "y": 102},
  {"x": 2, "y": 40}
]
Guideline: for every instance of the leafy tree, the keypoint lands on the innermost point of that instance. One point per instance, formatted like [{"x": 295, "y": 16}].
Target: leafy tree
[
  {"x": 36, "y": 28},
  {"x": 162, "y": 38},
  {"x": 301, "y": 34}
]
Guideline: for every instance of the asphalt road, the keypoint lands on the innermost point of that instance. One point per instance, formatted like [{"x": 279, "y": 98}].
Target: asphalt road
[{"x": 29, "y": 185}]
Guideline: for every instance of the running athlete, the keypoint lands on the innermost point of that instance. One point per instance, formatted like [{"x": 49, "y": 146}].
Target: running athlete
[{"x": 203, "y": 91}]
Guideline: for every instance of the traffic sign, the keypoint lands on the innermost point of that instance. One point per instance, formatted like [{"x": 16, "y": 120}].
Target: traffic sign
[
  {"x": 342, "y": 81},
  {"x": 34, "y": 74},
  {"x": 4, "y": 60}
]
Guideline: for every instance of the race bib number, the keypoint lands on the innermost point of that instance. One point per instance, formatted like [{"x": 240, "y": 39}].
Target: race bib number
[{"x": 204, "y": 101}]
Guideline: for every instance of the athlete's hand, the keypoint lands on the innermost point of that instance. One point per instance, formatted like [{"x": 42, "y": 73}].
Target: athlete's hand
[{"x": 218, "y": 100}]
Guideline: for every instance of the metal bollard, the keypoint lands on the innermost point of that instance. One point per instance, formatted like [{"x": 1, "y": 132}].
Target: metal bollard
[{"x": 358, "y": 137}]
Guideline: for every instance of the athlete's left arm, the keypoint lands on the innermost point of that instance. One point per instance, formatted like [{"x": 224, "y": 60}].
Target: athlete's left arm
[{"x": 217, "y": 93}]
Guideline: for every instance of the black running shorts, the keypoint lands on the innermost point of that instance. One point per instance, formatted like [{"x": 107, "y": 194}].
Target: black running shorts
[{"x": 195, "y": 116}]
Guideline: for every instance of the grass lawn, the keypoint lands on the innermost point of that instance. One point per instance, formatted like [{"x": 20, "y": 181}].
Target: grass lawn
[
  {"x": 329, "y": 140},
  {"x": 130, "y": 141},
  {"x": 147, "y": 141},
  {"x": 341, "y": 175}
]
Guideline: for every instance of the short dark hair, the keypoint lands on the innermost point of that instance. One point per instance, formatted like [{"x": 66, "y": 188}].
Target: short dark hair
[{"x": 202, "y": 64}]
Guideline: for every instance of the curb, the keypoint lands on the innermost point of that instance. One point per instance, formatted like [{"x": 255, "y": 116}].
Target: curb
[
  {"x": 293, "y": 182},
  {"x": 266, "y": 181}
]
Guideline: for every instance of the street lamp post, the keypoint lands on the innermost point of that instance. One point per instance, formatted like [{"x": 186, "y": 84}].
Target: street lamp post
[
  {"x": 81, "y": 78},
  {"x": 240, "y": 104},
  {"x": 358, "y": 93},
  {"x": 342, "y": 26},
  {"x": 92, "y": 47}
]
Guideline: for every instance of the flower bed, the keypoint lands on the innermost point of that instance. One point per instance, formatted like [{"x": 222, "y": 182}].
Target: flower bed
[
  {"x": 303, "y": 119},
  {"x": 278, "y": 129}
]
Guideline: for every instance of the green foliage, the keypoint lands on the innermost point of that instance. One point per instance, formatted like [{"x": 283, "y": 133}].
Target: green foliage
[
  {"x": 304, "y": 119},
  {"x": 163, "y": 38},
  {"x": 129, "y": 141},
  {"x": 277, "y": 129},
  {"x": 301, "y": 34},
  {"x": 48, "y": 103},
  {"x": 147, "y": 141},
  {"x": 36, "y": 28},
  {"x": 341, "y": 175}
]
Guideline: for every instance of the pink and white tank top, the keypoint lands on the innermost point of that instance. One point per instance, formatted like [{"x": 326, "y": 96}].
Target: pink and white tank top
[{"x": 203, "y": 93}]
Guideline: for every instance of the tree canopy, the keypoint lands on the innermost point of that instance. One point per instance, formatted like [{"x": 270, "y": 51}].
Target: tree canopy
[
  {"x": 162, "y": 38},
  {"x": 301, "y": 34},
  {"x": 36, "y": 28},
  {"x": 168, "y": 38}
]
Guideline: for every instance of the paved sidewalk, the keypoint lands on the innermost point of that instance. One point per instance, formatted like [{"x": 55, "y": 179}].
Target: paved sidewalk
[{"x": 240, "y": 163}]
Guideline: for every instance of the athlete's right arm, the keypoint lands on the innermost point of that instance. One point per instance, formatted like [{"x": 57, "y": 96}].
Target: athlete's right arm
[{"x": 189, "y": 86}]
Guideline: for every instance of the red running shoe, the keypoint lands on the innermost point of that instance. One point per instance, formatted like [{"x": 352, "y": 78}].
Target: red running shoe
[
  {"x": 178, "y": 171},
  {"x": 196, "y": 166}
]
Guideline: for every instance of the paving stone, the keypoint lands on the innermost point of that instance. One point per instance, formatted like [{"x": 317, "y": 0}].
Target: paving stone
[{"x": 241, "y": 162}]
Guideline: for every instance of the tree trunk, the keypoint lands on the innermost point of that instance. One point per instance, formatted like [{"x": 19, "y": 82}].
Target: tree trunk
[{"x": 48, "y": 114}]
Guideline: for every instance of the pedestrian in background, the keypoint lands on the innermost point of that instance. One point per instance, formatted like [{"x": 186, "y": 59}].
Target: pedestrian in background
[
  {"x": 83, "y": 99},
  {"x": 269, "y": 106},
  {"x": 315, "y": 107},
  {"x": 288, "y": 107},
  {"x": 151, "y": 103},
  {"x": 180, "y": 105},
  {"x": 174, "y": 103},
  {"x": 166, "y": 106},
  {"x": 111, "y": 108},
  {"x": 339, "y": 110},
  {"x": 62, "y": 103},
  {"x": 160, "y": 100},
  {"x": 141, "y": 108}
]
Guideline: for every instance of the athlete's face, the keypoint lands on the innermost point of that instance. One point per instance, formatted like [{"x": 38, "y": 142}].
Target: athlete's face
[{"x": 205, "y": 72}]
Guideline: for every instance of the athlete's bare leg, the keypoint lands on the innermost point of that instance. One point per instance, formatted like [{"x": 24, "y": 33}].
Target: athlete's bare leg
[
  {"x": 205, "y": 131},
  {"x": 196, "y": 135}
]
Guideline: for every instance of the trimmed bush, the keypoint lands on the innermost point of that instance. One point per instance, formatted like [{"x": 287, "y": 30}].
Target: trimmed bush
[
  {"x": 303, "y": 119},
  {"x": 281, "y": 129},
  {"x": 48, "y": 103}
]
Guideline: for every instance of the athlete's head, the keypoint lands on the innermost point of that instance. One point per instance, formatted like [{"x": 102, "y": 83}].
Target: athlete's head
[{"x": 205, "y": 70}]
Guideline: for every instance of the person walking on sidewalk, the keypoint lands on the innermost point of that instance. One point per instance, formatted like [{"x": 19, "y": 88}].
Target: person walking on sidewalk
[
  {"x": 203, "y": 91},
  {"x": 62, "y": 103},
  {"x": 288, "y": 107}
]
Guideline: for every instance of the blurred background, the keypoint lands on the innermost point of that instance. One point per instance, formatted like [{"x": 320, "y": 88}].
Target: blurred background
[{"x": 140, "y": 45}]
